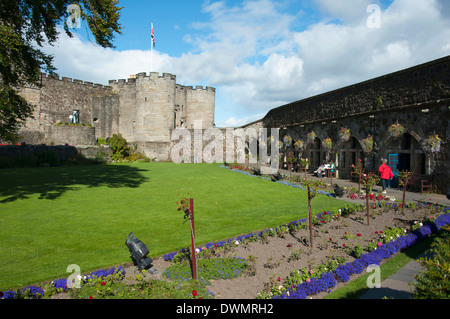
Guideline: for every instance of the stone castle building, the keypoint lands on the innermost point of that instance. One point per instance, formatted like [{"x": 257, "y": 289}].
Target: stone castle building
[{"x": 144, "y": 108}]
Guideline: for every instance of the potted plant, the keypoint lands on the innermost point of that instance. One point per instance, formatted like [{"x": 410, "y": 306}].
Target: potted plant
[
  {"x": 368, "y": 144},
  {"x": 432, "y": 143},
  {"x": 287, "y": 140},
  {"x": 327, "y": 144},
  {"x": 396, "y": 130},
  {"x": 344, "y": 134},
  {"x": 298, "y": 144},
  {"x": 311, "y": 136}
]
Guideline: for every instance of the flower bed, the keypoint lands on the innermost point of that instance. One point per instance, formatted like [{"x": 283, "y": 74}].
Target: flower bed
[
  {"x": 59, "y": 285},
  {"x": 342, "y": 273}
]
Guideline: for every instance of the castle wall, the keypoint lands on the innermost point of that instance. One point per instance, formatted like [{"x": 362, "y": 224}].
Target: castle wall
[
  {"x": 71, "y": 135},
  {"x": 59, "y": 97},
  {"x": 180, "y": 106},
  {"x": 126, "y": 91},
  {"x": 200, "y": 106},
  {"x": 105, "y": 115}
]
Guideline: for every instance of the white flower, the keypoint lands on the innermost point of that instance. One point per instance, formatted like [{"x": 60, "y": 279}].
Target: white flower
[
  {"x": 197, "y": 250},
  {"x": 236, "y": 242}
]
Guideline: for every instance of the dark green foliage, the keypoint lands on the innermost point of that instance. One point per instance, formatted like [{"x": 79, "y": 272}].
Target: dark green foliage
[
  {"x": 24, "y": 27},
  {"x": 119, "y": 147},
  {"x": 434, "y": 281}
]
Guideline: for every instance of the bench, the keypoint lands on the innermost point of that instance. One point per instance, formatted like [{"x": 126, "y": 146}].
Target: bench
[
  {"x": 421, "y": 182},
  {"x": 354, "y": 177}
]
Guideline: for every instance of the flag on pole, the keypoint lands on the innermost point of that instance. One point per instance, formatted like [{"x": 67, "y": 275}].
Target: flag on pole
[{"x": 153, "y": 37}]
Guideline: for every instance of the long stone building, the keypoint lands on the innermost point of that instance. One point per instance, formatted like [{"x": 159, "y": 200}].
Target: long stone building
[
  {"x": 144, "y": 108},
  {"x": 417, "y": 98}
]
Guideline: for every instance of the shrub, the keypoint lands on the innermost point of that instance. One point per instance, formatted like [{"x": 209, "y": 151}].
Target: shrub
[
  {"x": 119, "y": 147},
  {"x": 433, "y": 281}
]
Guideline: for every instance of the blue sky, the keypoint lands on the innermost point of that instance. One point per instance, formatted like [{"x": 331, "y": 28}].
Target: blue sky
[{"x": 260, "y": 54}]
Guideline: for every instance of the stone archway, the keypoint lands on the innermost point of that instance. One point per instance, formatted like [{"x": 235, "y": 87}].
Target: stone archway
[
  {"x": 405, "y": 153},
  {"x": 348, "y": 154}
]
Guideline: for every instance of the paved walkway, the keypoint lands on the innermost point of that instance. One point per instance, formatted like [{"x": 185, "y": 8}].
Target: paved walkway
[
  {"x": 398, "y": 286},
  {"x": 398, "y": 194}
]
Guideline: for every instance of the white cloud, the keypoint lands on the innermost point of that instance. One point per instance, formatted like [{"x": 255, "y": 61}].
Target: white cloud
[{"x": 256, "y": 59}]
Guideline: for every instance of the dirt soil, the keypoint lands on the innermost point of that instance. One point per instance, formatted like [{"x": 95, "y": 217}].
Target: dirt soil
[{"x": 273, "y": 255}]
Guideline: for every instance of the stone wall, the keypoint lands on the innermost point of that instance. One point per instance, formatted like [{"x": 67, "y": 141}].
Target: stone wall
[
  {"x": 71, "y": 135},
  {"x": 105, "y": 115},
  {"x": 419, "y": 122},
  {"x": 60, "y": 96}
]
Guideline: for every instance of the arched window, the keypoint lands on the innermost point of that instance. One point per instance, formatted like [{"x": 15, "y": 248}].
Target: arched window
[{"x": 348, "y": 155}]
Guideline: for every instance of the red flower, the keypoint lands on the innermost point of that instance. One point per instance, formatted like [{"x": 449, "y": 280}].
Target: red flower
[
  {"x": 90, "y": 297},
  {"x": 194, "y": 293},
  {"x": 376, "y": 232},
  {"x": 359, "y": 235},
  {"x": 322, "y": 221},
  {"x": 103, "y": 283},
  {"x": 279, "y": 279},
  {"x": 343, "y": 245},
  {"x": 331, "y": 239}
]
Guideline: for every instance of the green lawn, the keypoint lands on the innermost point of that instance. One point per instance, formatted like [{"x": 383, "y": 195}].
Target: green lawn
[{"x": 56, "y": 216}]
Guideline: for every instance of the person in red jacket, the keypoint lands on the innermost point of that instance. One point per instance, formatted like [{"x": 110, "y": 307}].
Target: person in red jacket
[{"x": 386, "y": 174}]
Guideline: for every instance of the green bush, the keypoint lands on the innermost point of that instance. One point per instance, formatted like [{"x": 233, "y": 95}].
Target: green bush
[
  {"x": 119, "y": 147},
  {"x": 433, "y": 282}
]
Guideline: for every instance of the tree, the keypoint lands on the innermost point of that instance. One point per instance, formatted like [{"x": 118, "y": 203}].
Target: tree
[
  {"x": 404, "y": 177},
  {"x": 24, "y": 27},
  {"x": 369, "y": 181},
  {"x": 313, "y": 187}
]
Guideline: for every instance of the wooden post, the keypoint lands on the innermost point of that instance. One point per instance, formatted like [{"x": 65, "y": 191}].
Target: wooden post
[
  {"x": 359, "y": 180},
  {"x": 367, "y": 199},
  {"x": 193, "y": 255},
  {"x": 310, "y": 218}
]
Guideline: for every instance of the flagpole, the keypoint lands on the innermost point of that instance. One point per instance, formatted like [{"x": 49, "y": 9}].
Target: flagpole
[{"x": 151, "y": 52}]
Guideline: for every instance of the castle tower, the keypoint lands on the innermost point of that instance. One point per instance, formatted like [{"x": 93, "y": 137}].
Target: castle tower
[
  {"x": 155, "y": 104},
  {"x": 151, "y": 106}
]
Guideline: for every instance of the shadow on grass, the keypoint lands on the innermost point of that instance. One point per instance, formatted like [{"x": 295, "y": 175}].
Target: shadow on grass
[{"x": 52, "y": 182}]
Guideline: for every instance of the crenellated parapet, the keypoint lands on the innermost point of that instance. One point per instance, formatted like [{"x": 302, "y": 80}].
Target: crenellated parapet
[{"x": 47, "y": 78}]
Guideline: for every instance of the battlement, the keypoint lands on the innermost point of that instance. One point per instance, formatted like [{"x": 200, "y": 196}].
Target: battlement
[
  {"x": 55, "y": 77},
  {"x": 141, "y": 76},
  {"x": 198, "y": 88}
]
